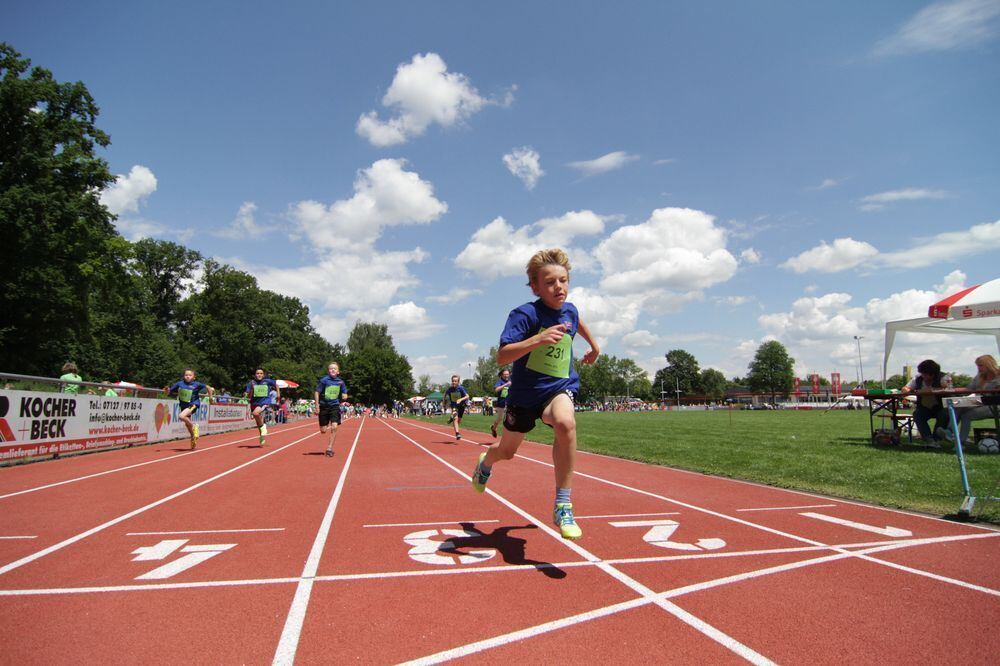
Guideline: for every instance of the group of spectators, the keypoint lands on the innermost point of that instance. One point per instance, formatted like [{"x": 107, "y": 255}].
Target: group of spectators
[{"x": 928, "y": 385}]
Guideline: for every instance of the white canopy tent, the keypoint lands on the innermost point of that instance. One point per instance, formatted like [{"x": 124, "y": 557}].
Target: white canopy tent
[{"x": 973, "y": 311}]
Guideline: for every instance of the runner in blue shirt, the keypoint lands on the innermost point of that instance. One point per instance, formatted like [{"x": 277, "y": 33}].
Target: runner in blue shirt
[
  {"x": 459, "y": 398},
  {"x": 259, "y": 391},
  {"x": 501, "y": 388},
  {"x": 330, "y": 390},
  {"x": 538, "y": 340},
  {"x": 188, "y": 393}
]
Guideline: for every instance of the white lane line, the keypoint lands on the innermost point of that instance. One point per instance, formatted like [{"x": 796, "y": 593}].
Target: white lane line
[
  {"x": 874, "y": 547},
  {"x": 789, "y": 508},
  {"x": 435, "y": 522},
  {"x": 706, "y": 629},
  {"x": 18, "y": 537},
  {"x": 632, "y": 515},
  {"x": 292, "y": 631},
  {"x": 260, "y": 529},
  {"x": 148, "y": 462},
  {"x": 131, "y": 514}
]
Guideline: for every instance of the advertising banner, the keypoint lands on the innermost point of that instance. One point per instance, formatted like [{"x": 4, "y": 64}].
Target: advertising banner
[
  {"x": 36, "y": 424},
  {"x": 797, "y": 384},
  {"x": 835, "y": 382},
  {"x": 815, "y": 384}
]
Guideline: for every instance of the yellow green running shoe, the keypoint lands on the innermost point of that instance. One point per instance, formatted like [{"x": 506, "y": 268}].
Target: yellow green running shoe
[
  {"x": 478, "y": 478},
  {"x": 563, "y": 518}
]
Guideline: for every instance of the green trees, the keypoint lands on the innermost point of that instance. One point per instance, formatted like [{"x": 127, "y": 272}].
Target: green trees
[
  {"x": 611, "y": 376},
  {"x": 681, "y": 373},
  {"x": 56, "y": 234},
  {"x": 374, "y": 371},
  {"x": 771, "y": 370},
  {"x": 230, "y": 326}
]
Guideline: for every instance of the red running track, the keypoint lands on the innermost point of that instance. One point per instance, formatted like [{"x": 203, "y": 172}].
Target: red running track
[{"x": 236, "y": 553}]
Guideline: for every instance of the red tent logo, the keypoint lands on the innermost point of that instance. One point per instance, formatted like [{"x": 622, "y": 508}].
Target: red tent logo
[{"x": 967, "y": 312}]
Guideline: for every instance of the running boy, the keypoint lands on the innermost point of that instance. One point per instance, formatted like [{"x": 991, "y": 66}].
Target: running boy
[
  {"x": 189, "y": 400},
  {"x": 501, "y": 389},
  {"x": 330, "y": 390},
  {"x": 459, "y": 398},
  {"x": 258, "y": 390},
  {"x": 538, "y": 340}
]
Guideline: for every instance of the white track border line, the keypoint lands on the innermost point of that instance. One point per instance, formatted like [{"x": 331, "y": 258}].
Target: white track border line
[
  {"x": 94, "y": 530},
  {"x": 703, "y": 627},
  {"x": 291, "y": 633},
  {"x": 436, "y": 522},
  {"x": 876, "y": 546},
  {"x": 258, "y": 529},
  {"x": 788, "y": 508},
  {"x": 142, "y": 464}
]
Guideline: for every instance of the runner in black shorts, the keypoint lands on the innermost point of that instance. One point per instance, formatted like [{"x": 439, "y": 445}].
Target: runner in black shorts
[
  {"x": 330, "y": 390},
  {"x": 459, "y": 399}
]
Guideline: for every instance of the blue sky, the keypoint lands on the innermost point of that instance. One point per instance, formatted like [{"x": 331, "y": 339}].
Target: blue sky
[{"x": 722, "y": 173}]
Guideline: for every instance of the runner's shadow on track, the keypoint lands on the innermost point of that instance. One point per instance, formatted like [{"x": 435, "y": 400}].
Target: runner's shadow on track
[
  {"x": 249, "y": 446},
  {"x": 511, "y": 548}
]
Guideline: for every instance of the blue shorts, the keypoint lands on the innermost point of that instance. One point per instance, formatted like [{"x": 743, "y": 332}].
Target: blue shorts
[{"x": 522, "y": 419}]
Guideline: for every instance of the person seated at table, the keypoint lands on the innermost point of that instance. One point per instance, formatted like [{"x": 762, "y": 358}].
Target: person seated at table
[
  {"x": 987, "y": 377},
  {"x": 926, "y": 385}
]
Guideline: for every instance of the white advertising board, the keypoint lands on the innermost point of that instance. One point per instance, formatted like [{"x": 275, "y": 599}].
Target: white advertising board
[{"x": 34, "y": 424}]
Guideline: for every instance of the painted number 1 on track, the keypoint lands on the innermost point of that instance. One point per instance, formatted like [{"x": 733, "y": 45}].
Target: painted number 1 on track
[{"x": 161, "y": 551}]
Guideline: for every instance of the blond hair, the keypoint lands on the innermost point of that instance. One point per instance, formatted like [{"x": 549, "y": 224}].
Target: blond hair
[
  {"x": 545, "y": 258},
  {"x": 989, "y": 366},
  {"x": 69, "y": 366}
]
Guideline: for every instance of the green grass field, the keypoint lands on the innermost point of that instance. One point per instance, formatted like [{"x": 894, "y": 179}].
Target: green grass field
[{"x": 828, "y": 453}]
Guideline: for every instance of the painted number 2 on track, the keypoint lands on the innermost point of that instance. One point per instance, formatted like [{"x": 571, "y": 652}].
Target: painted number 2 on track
[{"x": 661, "y": 531}]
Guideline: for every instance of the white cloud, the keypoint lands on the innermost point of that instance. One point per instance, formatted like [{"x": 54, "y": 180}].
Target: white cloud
[
  {"x": 498, "y": 249},
  {"x": 332, "y": 327},
  {"x": 843, "y": 254},
  {"x": 750, "y": 256},
  {"x": 127, "y": 193},
  {"x": 409, "y": 321},
  {"x": 606, "y": 316},
  {"x": 947, "y": 246},
  {"x": 640, "y": 338},
  {"x": 244, "y": 225},
  {"x": 944, "y": 26},
  {"x": 827, "y": 184},
  {"x": 438, "y": 367},
  {"x": 605, "y": 163},
  {"x": 422, "y": 93},
  {"x": 365, "y": 279},
  {"x": 524, "y": 163},
  {"x": 455, "y": 295},
  {"x": 882, "y": 200},
  {"x": 668, "y": 160},
  {"x": 470, "y": 346},
  {"x": 847, "y": 253},
  {"x": 385, "y": 195},
  {"x": 820, "y": 330},
  {"x": 675, "y": 249}
]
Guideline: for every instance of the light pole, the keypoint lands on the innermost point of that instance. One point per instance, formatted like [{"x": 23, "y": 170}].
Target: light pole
[
  {"x": 861, "y": 370},
  {"x": 677, "y": 384}
]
